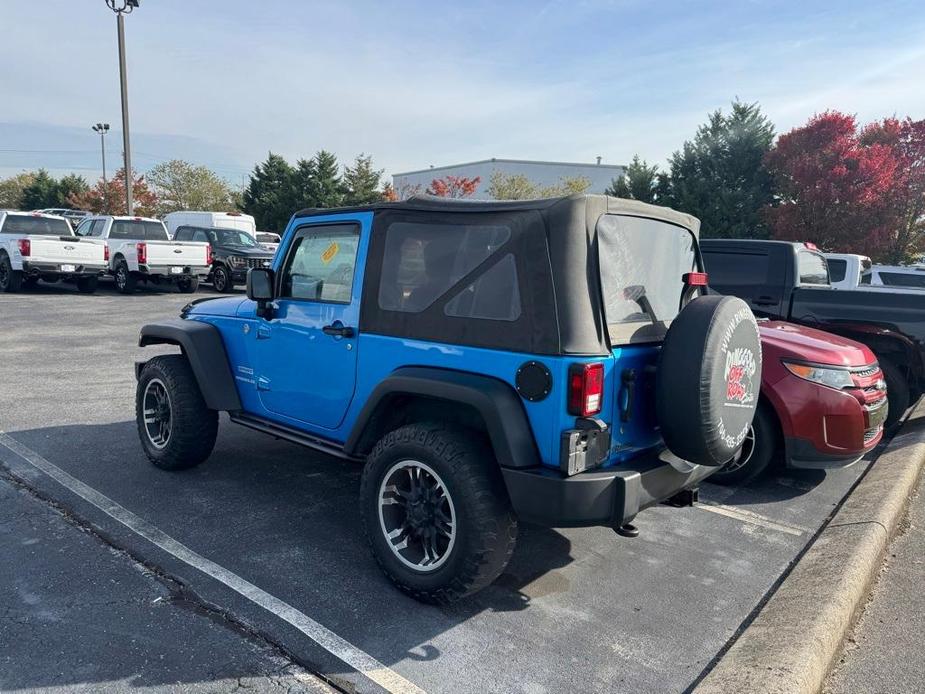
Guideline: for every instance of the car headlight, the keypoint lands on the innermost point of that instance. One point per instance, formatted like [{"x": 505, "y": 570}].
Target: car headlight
[
  {"x": 831, "y": 377},
  {"x": 236, "y": 260}
]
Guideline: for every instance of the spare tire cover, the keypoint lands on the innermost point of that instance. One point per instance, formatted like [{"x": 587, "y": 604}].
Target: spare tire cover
[{"x": 708, "y": 379}]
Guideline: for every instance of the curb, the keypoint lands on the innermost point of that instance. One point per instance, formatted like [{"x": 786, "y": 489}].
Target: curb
[{"x": 795, "y": 639}]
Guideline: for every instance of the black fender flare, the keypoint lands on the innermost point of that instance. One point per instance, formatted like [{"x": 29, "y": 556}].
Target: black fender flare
[
  {"x": 499, "y": 406},
  {"x": 203, "y": 347}
]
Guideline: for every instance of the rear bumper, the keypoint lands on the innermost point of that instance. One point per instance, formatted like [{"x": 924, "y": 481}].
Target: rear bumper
[
  {"x": 608, "y": 497},
  {"x": 30, "y": 267},
  {"x": 166, "y": 271}
]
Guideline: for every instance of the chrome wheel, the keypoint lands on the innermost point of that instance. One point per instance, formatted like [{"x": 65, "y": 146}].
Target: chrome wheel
[
  {"x": 157, "y": 413},
  {"x": 745, "y": 453},
  {"x": 416, "y": 515}
]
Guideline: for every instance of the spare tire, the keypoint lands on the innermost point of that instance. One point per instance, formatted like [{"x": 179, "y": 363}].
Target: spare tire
[{"x": 708, "y": 380}]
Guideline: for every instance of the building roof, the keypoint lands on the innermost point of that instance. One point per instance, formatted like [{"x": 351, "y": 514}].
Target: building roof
[{"x": 494, "y": 160}]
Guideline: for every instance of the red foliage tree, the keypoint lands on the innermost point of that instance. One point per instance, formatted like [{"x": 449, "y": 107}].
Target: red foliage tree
[
  {"x": 454, "y": 186},
  {"x": 110, "y": 198},
  {"x": 834, "y": 188}
]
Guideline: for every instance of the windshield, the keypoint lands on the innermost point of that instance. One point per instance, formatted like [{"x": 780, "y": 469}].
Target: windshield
[
  {"x": 138, "y": 229},
  {"x": 36, "y": 226},
  {"x": 231, "y": 237},
  {"x": 641, "y": 264},
  {"x": 268, "y": 238}
]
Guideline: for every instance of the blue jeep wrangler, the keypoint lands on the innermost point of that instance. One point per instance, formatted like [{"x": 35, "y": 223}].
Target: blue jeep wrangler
[{"x": 550, "y": 361}]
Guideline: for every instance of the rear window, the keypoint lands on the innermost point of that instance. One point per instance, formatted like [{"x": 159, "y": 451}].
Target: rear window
[
  {"x": 812, "y": 268},
  {"x": 837, "y": 270},
  {"x": 422, "y": 261},
  {"x": 736, "y": 269},
  {"x": 137, "y": 229},
  {"x": 36, "y": 226},
  {"x": 641, "y": 265}
]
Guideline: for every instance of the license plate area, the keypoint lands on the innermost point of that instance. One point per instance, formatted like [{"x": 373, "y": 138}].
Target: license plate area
[
  {"x": 176, "y": 270},
  {"x": 68, "y": 268}
]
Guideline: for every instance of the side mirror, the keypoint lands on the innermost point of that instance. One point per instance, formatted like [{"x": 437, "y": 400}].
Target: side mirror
[{"x": 260, "y": 289}]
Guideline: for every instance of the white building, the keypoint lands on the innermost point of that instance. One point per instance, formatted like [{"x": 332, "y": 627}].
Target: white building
[{"x": 542, "y": 173}]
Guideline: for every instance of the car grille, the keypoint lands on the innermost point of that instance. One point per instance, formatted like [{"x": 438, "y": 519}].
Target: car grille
[
  {"x": 871, "y": 434},
  {"x": 252, "y": 262}
]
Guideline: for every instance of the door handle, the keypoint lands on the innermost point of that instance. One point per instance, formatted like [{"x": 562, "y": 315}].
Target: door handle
[
  {"x": 338, "y": 329},
  {"x": 263, "y": 332}
]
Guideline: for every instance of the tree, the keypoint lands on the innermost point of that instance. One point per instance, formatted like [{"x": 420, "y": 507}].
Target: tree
[
  {"x": 42, "y": 192},
  {"x": 639, "y": 182},
  {"x": 270, "y": 195},
  {"x": 720, "y": 176},
  {"x": 317, "y": 181},
  {"x": 361, "y": 182},
  {"x": 182, "y": 186},
  {"x": 454, "y": 186},
  {"x": 69, "y": 185},
  {"x": 12, "y": 189},
  {"x": 109, "y": 198},
  {"x": 389, "y": 194},
  {"x": 504, "y": 186},
  {"x": 833, "y": 189},
  {"x": 904, "y": 238}
]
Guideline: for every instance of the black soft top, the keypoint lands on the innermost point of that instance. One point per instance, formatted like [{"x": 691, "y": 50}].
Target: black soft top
[{"x": 555, "y": 240}]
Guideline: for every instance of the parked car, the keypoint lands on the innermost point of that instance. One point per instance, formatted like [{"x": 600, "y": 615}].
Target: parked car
[
  {"x": 551, "y": 361},
  {"x": 138, "y": 250},
  {"x": 37, "y": 247},
  {"x": 268, "y": 240},
  {"x": 234, "y": 252},
  {"x": 823, "y": 403},
  {"x": 74, "y": 217},
  {"x": 850, "y": 271},
  {"x": 210, "y": 220},
  {"x": 898, "y": 276},
  {"x": 790, "y": 281}
]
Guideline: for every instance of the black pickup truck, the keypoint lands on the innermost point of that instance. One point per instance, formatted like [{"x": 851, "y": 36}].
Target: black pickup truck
[{"x": 790, "y": 281}]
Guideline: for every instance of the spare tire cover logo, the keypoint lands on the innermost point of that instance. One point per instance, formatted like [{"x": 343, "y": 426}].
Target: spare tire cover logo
[
  {"x": 739, "y": 373},
  {"x": 740, "y": 367}
]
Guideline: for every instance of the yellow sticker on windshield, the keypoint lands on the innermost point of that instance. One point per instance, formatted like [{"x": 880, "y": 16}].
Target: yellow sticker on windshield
[{"x": 330, "y": 252}]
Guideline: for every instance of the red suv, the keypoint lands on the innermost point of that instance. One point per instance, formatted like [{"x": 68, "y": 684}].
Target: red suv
[{"x": 823, "y": 403}]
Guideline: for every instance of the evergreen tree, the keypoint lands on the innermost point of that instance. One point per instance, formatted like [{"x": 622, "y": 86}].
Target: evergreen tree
[
  {"x": 317, "y": 181},
  {"x": 639, "y": 182},
  {"x": 270, "y": 195},
  {"x": 720, "y": 176},
  {"x": 361, "y": 182},
  {"x": 41, "y": 193},
  {"x": 69, "y": 185}
]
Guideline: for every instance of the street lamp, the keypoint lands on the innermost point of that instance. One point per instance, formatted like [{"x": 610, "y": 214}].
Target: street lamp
[
  {"x": 102, "y": 129},
  {"x": 123, "y": 7}
]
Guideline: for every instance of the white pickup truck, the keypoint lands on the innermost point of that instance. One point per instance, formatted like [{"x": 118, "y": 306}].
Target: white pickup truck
[
  {"x": 36, "y": 246},
  {"x": 851, "y": 271},
  {"x": 139, "y": 249}
]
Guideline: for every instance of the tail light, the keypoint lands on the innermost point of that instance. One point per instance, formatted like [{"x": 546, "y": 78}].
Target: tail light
[
  {"x": 585, "y": 389},
  {"x": 142, "y": 249},
  {"x": 208, "y": 254},
  {"x": 106, "y": 253},
  {"x": 25, "y": 247}
]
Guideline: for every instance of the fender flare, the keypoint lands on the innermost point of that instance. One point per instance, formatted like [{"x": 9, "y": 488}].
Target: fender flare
[
  {"x": 203, "y": 347},
  {"x": 497, "y": 403}
]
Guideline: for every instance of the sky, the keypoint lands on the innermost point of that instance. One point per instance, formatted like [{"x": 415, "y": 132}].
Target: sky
[{"x": 415, "y": 84}]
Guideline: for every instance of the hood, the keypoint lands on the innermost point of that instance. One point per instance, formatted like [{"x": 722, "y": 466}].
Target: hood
[
  {"x": 219, "y": 306},
  {"x": 786, "y": 340}
]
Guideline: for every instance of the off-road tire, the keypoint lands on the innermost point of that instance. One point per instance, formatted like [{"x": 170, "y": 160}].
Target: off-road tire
[
  {"x": 767, "y": 445},
  {"x": 87, "y": 285},
  {"x": 897, "y": 391},
  {"x": 221, "y": 279},
  {"x": 486, "y": 526},
  {"x": 194, "y": 427},
  {"x": 126, "y": 282},
  {"x": 30, "y": 282},
  {"x": 10, "y": 279},
  {"x": 188, "y": 285}
]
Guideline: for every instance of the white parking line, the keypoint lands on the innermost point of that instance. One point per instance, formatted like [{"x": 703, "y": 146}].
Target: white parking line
[
  {"x": 361, "y": 661},
  {"x": 753, "y": 518}
]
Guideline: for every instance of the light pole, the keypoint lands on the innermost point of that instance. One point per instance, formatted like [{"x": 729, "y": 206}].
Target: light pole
[
  {"x": 123, "y": 7},
  {"x": 102, "y": 129}
]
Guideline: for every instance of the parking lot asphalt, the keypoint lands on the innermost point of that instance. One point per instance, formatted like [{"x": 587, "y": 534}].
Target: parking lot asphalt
[{"x": 576, "y": 609}]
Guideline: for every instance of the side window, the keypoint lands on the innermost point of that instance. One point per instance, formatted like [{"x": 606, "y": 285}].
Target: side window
[
  {"x": 182, "y": 234},
  {"x": 321, "y": 264},
  {"x": 865, "y": 277},
  {"x": 837, "y": 270},
  {"x": 200, "y": 235},
  {"x": 422, "y": 262},
  {"x": 736, "y": 269},
  {"x": 83, "y": 228},
  {"x": 902, "y": 279},
  {"x": 495, "y": 295},
  {"x": 812, "y": 268}
]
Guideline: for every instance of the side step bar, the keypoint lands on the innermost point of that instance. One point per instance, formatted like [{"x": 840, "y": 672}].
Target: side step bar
[{"x": 281, "y": 431}]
